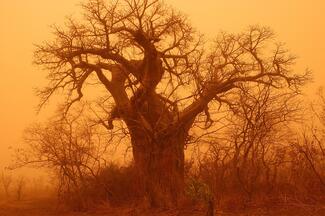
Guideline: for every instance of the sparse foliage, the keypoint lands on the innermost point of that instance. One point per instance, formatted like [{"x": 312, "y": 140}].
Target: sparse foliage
[
  {"x": 159, "y": 75},
  {"x": 73, "y": 149}
]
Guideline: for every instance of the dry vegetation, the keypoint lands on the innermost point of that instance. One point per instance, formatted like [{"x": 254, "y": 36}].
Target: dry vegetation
[
  {"x": 210, "y": 128},
  {"x": 264, "y": 162}
]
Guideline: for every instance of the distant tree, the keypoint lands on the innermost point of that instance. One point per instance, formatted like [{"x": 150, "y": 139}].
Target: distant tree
[
  {"x": 20, "y": 186},
  {"x": 258, "y": 134},
  {"x": 71, "y": 147},
  {"x": 310, "y": 145},
  {"x": 159, "y": 75},
  {"x": 6, "y": 180}
]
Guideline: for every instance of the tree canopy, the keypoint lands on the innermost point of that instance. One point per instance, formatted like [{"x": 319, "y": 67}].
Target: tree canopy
[{"x": 121, "y": 42}]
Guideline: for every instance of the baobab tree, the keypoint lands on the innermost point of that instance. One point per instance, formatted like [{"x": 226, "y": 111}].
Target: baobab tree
[{"x": 159, "y": 74}]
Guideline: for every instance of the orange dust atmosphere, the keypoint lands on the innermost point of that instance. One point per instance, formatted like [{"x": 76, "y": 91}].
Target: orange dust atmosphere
[{"x": 298, "y": 23}]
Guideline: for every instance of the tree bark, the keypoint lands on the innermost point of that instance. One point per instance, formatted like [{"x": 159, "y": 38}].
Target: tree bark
[
  {"x": 158, "y": 150},
  {"x": 160, "y": 165}
]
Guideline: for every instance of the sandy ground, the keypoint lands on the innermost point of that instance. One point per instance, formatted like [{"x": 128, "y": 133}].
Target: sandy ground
[{"x": 46, "y": 207}]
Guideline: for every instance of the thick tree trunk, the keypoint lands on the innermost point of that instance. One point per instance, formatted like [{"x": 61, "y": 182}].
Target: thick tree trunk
[
  {"x": 158, "y": 150},
  {"x": 160, "y": 164}
]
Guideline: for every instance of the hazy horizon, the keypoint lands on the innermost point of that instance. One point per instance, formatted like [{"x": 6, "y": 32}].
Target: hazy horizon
[{"x": 300, "y": 24}]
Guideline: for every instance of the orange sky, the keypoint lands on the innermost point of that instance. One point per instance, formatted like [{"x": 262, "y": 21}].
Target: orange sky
[{"x": 299, "y": 23}]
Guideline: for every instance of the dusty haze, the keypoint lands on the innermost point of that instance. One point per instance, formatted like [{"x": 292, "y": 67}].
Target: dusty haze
[
  {"x": 298, "y": 23},
  {"x": 212, "y": 128}
]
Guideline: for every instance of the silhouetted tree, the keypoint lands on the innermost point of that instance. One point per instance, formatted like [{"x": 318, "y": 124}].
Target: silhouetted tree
[
  {"x": 6, "y": 180},
  {"x": 258, "y": 133},
  {"x": 71, "y": 147},
  {"x": 310, "y": 145},
  {"x": 159, "y": 75},
  {"x": 21, "y": 183}
]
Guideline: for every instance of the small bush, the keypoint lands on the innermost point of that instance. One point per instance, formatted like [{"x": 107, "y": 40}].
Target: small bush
[{"x": 121, "y": 183}]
